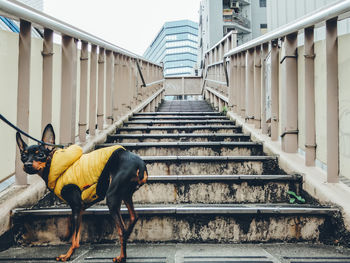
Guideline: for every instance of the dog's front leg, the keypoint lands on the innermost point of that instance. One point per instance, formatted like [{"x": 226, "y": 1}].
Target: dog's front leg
[{"x": 73, "y": 198}]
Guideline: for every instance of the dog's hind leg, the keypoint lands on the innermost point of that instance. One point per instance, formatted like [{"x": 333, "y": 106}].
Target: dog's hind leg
[
  {"x": 72, "y": 195},
  {"x": 133, "y": 217},
  {"x": 114, "y": 202}
]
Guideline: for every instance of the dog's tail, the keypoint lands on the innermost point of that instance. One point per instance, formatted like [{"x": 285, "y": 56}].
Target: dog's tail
[{"x": 142, "y": 173}]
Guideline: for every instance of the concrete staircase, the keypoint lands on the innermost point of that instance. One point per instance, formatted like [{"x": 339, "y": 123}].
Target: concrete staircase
[{"x": 208, "y": 183}]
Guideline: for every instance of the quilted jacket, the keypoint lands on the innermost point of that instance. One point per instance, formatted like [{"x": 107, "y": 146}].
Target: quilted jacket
[{"x": 71, "y": 166}]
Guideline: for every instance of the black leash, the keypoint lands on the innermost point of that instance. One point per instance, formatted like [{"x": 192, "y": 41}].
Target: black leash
[{"x": 26, "y": 134}]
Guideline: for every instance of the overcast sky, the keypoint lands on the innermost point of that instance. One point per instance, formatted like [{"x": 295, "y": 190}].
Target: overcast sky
[{"x": 129, "y": 24}]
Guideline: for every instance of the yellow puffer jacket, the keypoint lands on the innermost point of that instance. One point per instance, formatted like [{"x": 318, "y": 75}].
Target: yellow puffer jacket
[{"x": 71, "y": 166}]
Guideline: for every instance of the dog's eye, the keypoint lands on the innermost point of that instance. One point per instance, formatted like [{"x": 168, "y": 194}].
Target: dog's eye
[{"x": 24, "y": 157}]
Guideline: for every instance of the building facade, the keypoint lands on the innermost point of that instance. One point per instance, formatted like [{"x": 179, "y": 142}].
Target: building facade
[
  {"x": 218, "y": 17},
  {"x": 176, "y": 47}
]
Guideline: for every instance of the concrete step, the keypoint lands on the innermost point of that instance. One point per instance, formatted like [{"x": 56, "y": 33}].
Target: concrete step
[
  {"x": 180, "y": 129},
  {"x": 182, "y": 223},
  {"x": 191, "y": 148},
  {"x": 179, "y": 137},
  {"x": 217, "y": 189},
  {"x": 188, "y": 118},
  {"x": 177, "y": 122},
  {"x": 223, "y": 165},
  {"x": 178, "y": 113},
  {"x": 185, "y": 106}
]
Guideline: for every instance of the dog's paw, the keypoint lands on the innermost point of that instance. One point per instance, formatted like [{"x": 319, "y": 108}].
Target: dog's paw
[
  {"x": 63, "y": 258},
  {"x": 119, "y": 259}
]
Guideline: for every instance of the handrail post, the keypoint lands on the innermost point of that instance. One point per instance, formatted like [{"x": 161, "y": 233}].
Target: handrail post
[
  {"x": 84, "y": 60},
  {"x": 109, "y": 86},
  {"x": 67, "y": 122},
  {"x": 117, "y": 86},
  {"x": 309, "y": 73},
  {"x": 274, "y": 90},
  {"x": 24, "y": 54},
  {"x": 265, "y": 51},
  {"x": 290, "y": 95},
  {"x": 101, "y": 84},
  {"x": 243, "y": 84},
  {"x": 238, "y": 84},
  {"x": 47, "y": 54},
  {"x": 93, "y": 84},
  {"x": 231, "y": 87},
  {"x": 250, "y": 86},
  {"x": 257, "y": 87},
  {"x": 332, "y": 101}
]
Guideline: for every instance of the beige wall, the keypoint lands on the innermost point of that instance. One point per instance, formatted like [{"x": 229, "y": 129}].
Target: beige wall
[
  {"x": 8, "y": 99},
  {"x": 344, "y": 104},
  {"x": 173, "y": 86}
]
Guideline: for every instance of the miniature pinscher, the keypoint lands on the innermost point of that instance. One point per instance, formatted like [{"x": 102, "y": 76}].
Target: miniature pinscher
[{"x": 121, "y": 175}]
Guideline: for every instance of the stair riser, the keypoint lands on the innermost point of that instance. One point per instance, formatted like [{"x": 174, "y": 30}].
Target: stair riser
[
  {"x": 194, "y": 151},
  {"x": 176, "y": 131},
  {"x": 178, "y": 228},
  {"x": 182, "y": 139},
  {"x": 214, "y": 192},
  {"x": 212, "y": 167}
]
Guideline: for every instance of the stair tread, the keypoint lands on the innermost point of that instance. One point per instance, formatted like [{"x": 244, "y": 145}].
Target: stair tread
[
  {"x": 170, "y": 144},
  {"x": 207, "y": 158},
  {"x": 234, "y": 177},
  {"x": 227, "y": 209},
  {"x": 181, "y": 127},
  {"x": 172, "y": 135}
]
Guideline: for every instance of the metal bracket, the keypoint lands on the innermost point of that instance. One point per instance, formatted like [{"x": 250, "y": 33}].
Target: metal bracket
[
  {"x": 310, "y": 145},
  {"x": 289, "y": 132},
  {"x": 46, "y": 54},
  {"x": 289, "y": 56},
  {"x": 81, "y": 58},
  {"x": 310, "y": 56}
]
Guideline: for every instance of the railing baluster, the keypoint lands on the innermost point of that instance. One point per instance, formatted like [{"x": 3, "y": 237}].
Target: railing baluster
[
  {"x": 93, "y": 84},
  {"x": 109, "y": 86},
  {"x": 290, "y": 95},
  {"x": 84, "y": 60},
  {"x": 47, "y": 54},
  {"x": 250, "y": 86},
  {"x": 243, "y": 84},
  {"x": 332, "y": 101},
  {"x": 265, "y": 52},
  {"x": 101, "y": 87},
  {"x": 24, "y": 54},
  {"x": 274, "y": 90},
  {"x": 257, "y": 88},
  {"x": 309, "y": 74},
  {"x": 68, "y": 104}
]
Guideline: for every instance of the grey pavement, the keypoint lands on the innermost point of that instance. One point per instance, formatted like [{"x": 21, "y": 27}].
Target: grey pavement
[{"x": 185, "y": 253}]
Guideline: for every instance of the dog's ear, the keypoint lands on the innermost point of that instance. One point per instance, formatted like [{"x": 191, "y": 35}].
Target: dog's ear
[
  {"x": 21, "y": 144},
  {"x": 48, "y": 136}
]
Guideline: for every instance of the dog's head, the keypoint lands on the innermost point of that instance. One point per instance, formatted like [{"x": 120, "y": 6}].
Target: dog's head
[{"x": 35, "y": 157}]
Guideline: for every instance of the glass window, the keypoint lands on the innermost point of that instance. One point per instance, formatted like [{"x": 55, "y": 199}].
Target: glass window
[{"x": 262, "y": 3}]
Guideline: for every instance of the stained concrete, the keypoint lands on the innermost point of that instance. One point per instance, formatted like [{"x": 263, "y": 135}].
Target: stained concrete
[{"x": 181, "y": 253}]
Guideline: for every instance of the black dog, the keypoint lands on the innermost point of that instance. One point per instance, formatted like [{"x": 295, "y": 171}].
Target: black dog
[{"x": 120, "y": 175}]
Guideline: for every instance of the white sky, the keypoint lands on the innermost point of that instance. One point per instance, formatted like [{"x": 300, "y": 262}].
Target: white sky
[{"x": 130, "y": 24}]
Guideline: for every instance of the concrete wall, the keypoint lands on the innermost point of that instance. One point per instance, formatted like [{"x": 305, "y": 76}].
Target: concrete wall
[{"x": 182, "y": 86}]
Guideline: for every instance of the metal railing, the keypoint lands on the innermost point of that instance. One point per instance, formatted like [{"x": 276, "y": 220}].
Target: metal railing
[
  {"x": 267, "y": 67},
  {"x": 112, "y": 80}
]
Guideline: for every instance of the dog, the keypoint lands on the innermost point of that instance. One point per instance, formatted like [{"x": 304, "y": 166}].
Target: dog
[{"x": 118, "y": 173}]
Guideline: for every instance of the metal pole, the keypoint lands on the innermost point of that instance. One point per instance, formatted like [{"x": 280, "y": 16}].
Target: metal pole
[
  {"x": 101, "y": 86},
  {"x": 257, "y": 88},
  {"x": 310, "y": 125},
  {"x": 93, "y": 83},
  {"x": 109, "y": 86},
  {"x": 47, "y": 54},
  {"x": 250, "y": 87},
  {"x": 265, "y": 51},
  {"x": 84, "y": 60},
  {"x": 332, "y": 102},
  {"x": 24, "y": 53},
  {"x": 274, "y": 90},
  {"x": 290, "y": 96}
]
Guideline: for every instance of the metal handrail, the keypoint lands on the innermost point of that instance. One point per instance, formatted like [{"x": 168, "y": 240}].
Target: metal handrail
[
  {"x": 17, "y": 10},
  {"x": 328, "y": 12}
]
